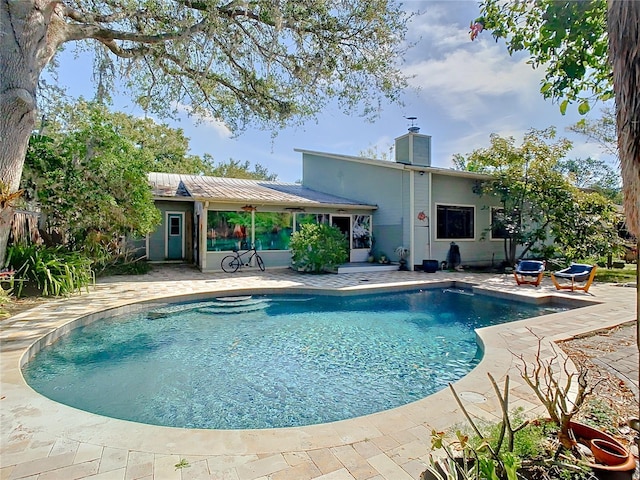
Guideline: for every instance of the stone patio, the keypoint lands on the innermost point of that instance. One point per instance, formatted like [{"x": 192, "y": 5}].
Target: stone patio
[{"x": 41, "y": 439}]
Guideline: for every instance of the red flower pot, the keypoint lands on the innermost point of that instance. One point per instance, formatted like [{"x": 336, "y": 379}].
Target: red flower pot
[{"x": 608, "y": 453}]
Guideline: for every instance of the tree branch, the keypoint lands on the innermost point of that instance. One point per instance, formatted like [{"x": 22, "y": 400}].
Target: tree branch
[{"x": 105, "y": 35}]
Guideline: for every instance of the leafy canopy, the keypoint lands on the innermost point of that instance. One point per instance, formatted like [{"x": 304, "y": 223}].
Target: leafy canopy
[
  {"x": 89, "y": 175},
  {"x": 88, "y": 170},
  {"x": 538, "y": 202},
  {"x": 254, "y": 61},
  {"x": 567, "y": 39}
]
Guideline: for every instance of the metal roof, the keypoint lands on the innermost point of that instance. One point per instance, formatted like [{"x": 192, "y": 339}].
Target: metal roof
[{"x": 234, "y": 190}]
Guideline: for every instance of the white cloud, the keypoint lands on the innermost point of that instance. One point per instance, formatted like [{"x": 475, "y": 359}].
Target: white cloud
[
  {"x": 467, "y": 81},
  {"x": 218, "y": 126}
]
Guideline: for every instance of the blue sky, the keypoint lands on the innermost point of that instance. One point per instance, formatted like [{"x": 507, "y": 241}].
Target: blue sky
[{"x": 460, "y": 91}]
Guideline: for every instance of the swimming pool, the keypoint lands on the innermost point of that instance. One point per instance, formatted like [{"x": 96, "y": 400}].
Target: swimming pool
[{"x": 269, "y": 361}]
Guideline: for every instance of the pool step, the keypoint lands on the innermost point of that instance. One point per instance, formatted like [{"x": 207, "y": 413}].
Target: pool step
[
  {"x": 171, "y": 309},
  {"x": 242, "y": 306}
]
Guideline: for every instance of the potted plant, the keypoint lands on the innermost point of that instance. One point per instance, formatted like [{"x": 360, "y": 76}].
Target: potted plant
[
  {"x": 504, "y": 451},
  {"x": 403, "y": 253}
]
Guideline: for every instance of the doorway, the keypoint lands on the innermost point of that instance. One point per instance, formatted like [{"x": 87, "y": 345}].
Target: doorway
[
  {"x": 175, "y": 236},
  {"x": 343, "y": 223}
]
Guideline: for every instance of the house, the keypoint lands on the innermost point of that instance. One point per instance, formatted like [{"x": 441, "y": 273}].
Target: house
[{"x": 403, "y": 202}]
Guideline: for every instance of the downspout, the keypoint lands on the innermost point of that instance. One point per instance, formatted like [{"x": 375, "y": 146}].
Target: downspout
[
  {"x": 430, "y": 217},
  {"x": 412, "y": 209}
]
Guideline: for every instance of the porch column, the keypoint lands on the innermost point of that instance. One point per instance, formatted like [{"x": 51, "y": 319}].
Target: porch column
[{"x": 203, "y": 235}]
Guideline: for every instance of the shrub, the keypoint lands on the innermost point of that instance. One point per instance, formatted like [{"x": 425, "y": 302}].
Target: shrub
[
  {"x": 53, "y": 271},
  {"x": 318, "y": 248}
]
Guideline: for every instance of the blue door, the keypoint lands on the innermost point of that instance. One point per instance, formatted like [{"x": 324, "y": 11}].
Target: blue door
[{"x": 175, "y": 236}]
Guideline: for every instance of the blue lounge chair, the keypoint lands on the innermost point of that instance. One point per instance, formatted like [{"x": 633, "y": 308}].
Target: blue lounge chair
[
  {"x": 576, "y": 272},
  {"x": 529, "y": 272}
]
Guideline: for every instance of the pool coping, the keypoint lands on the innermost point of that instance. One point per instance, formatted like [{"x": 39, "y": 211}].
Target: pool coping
[{"x": 44, "y": 420}]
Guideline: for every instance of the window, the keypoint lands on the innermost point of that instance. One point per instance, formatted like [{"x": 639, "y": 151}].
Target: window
[
  {"x": 502, "y": 224},
  {"x": 361, "y": 231},
  {"x": 498, "y": 228},
  {"x": 455, "y": 222},
  {"x": 228, "y": 230},
  {"x": 174, "y": 226},
  {"x": 304, "y": 218},
  {"x": 232, "y": 230},
  {"x": 273, "y": 230}
]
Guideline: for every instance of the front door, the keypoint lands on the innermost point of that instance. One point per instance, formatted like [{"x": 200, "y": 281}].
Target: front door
[{"x": 175, "y": 236}]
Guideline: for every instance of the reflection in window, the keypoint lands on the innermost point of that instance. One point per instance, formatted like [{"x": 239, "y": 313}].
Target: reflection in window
[
  {"x": 455, "y": 222},
  {"x": 304, "y": 218},
  {"x": 232, "y": 230},
  {"x": 228, "y": 231},
  {"x": 503, "y": 225},
  {"x": 273, "y": 230},
  {"x": 361, "y": 231}
]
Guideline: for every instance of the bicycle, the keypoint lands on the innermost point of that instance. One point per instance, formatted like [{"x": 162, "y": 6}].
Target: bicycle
[{"x": 231, "y": 263}]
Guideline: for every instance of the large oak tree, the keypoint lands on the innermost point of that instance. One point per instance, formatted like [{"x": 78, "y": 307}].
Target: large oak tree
[{"x": 239, "y": 61}]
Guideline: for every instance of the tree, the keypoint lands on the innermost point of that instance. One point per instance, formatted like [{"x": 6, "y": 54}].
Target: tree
[
  {"x": 567, "y": 39},
  {"x": 592, "y": 46},
  {"x": 237, "y": 169},
  {"x": 601, "y": 130},
  {"x": 239, "y": 61},
  {"x": 90, "y": 177},
  {"x": 592, "y": 174},
  {"x": 586, "y": 227},
  {"x": 589, "y": 50},
  {"x": 536, "y": 198},
  {"x": 624, "y": 50}
]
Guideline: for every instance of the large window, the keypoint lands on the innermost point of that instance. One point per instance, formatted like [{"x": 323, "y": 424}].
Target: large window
[
  {"x": 228, "y": 230},
  {"x": 455, "y": 222},
  {"x": 273, "y": 230},
  {"x": 232, "y": 230}
]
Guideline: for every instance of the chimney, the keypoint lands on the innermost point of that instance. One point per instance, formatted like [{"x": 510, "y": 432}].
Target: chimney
[{"x": 413, "y": 148}]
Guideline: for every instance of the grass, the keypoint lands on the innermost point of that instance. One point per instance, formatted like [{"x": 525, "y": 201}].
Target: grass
[{"x": 616, "y": 275}]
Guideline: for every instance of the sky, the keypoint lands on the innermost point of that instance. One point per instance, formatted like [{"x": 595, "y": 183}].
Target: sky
[{"x": 460, "y": 91}]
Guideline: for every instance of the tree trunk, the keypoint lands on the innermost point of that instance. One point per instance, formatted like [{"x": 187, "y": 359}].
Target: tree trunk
[
  {"x": 623, "y": 26},
  {"x": 27, "y": 44},
  {"x": 624, "y": 52}
]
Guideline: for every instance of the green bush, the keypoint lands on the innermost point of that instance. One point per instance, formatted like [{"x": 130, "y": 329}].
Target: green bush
[
  {"x": 318, "y": 248},
  {"x": 126, "y": 268},
  {"x": 53, "y": 271}
]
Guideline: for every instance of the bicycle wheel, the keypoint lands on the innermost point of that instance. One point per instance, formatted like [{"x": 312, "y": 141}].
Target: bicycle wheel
[
  {"x": 230, "y": 263},
  {"x": 260, "y": 262}
]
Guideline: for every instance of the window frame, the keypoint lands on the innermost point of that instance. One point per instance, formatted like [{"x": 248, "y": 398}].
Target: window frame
[{"x": 460, "y": 206}]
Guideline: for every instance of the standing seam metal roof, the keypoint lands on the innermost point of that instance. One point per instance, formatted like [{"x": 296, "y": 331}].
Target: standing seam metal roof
[{"x": 203, "y": 188}]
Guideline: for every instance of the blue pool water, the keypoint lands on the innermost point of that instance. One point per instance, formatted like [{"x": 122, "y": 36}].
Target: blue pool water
[{"x": 269, "y": 361}]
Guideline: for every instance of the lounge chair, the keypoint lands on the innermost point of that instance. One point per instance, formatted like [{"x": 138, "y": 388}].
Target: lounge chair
[
  {"x": 529, "y": 272},
  {"x": 576, "y": 272}
]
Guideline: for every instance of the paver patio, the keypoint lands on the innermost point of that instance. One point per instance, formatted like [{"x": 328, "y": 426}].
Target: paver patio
[{"x": 41, "y": 439}]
